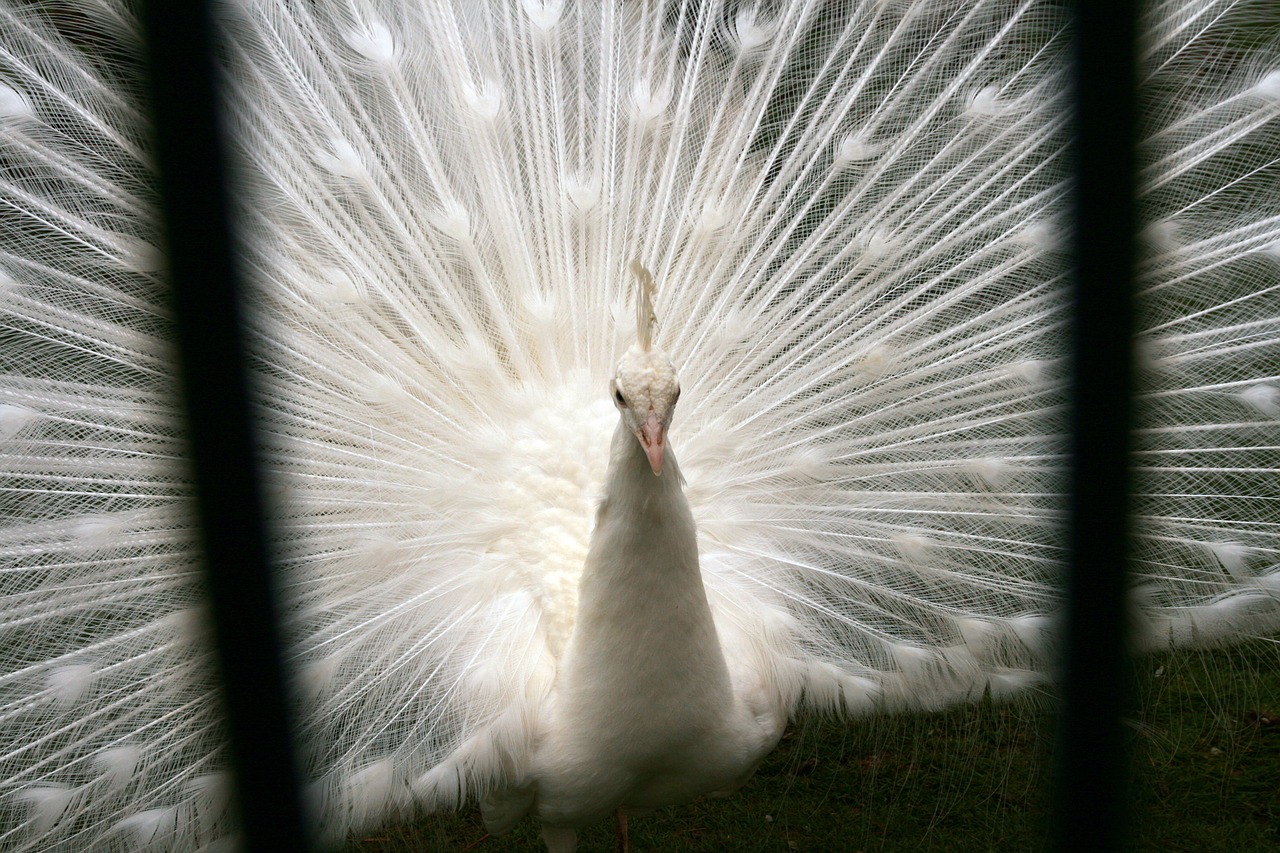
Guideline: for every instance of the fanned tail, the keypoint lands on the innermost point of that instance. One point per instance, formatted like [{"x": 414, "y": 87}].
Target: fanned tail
[{"x": 855, "y": 217}]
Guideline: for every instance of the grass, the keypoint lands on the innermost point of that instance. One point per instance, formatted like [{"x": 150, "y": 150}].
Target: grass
[{"x": 1206, "y": 777}]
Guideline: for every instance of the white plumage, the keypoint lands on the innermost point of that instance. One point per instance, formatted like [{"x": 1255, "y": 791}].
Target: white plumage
[
  {"x": 647, "y": 709},
  {"x": 854, "y": 215}
]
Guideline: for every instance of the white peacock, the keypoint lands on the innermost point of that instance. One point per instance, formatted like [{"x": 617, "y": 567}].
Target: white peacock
[{"x": 853, "y": 212}]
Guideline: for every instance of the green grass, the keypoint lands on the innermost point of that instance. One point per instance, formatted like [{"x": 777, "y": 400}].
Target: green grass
[
  {"x": 1205, "y": 757},
  {"x": 1207, "y": 752}
]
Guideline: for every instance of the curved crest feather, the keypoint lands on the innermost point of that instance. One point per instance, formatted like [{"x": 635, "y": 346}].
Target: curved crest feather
[{"x": 646, "y": 317}]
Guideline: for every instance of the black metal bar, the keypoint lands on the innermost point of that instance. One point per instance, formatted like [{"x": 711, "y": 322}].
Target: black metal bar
[
  {"x": 1092, "y": 761},
  {"x": 191, "y": 162}
]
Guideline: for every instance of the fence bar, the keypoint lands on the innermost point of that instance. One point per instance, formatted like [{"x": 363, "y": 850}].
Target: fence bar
[
  {"x": 1091, "y": 762},
  {"x": 192, "y": 176}
]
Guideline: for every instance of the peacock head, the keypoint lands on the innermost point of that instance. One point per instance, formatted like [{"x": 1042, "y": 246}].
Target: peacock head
[{"x": 645, "y": 390}]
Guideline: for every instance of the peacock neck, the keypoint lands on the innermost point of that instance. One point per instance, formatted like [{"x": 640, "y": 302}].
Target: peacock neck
[
  {"x": 644, "y": 540},
  {"x": 643, "y": 617}
]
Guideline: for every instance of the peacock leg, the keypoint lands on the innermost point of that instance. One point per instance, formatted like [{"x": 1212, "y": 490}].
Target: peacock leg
[{"x": 623, "y": 844}]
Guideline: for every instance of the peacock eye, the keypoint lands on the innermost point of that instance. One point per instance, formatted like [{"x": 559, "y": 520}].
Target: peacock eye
[{"x": 617, "y": 395}]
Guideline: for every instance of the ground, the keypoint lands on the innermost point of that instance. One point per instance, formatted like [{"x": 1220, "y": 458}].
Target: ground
[{"x": 1205, "y": 753}]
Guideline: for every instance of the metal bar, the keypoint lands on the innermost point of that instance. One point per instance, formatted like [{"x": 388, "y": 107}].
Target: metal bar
[
  {"x": 1092, "y": 761},
  {"x": 191, "y": 162}
]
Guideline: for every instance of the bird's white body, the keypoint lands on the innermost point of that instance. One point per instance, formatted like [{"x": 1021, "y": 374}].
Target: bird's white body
[
  {"x": 645, "y": 712},
  {"x": 856, "y": 214}
]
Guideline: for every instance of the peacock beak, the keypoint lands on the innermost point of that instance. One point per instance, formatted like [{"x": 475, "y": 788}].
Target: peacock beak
[{"x": 653, "y": 438}]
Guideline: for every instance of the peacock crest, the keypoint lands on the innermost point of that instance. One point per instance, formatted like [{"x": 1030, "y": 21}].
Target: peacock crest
[{"x": 646, "y": 295}]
